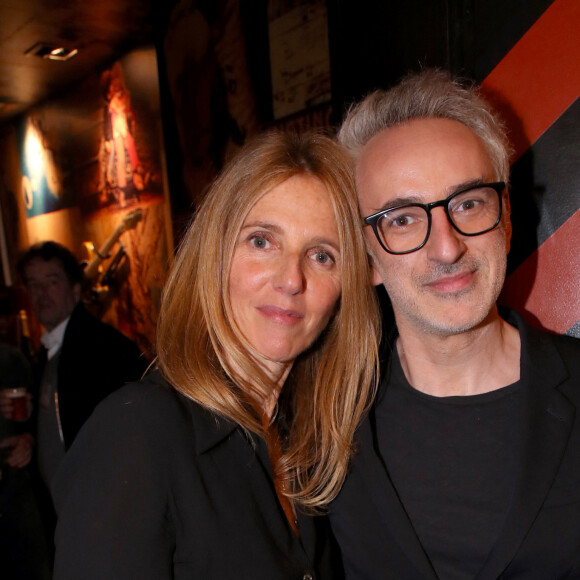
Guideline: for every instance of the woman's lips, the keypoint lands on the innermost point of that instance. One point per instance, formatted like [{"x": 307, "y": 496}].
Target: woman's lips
[{"x": 280, "y": 315}]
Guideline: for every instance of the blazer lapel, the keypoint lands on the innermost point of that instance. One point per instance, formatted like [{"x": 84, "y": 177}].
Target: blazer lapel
[
  {"x": 382, "y": 493},
  {"x": 548, "y": 421},
  {"x": 304, "y": 546}
]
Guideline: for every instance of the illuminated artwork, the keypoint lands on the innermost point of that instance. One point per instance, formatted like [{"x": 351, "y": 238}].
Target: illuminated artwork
[
  {"x": 92, "y": 158},
  {"x": 42, "y": 188},
  {"x": 123, "y": 175}
]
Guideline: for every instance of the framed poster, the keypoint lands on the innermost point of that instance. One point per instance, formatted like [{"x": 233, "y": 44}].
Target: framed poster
[{"x": 299, "y": 55}]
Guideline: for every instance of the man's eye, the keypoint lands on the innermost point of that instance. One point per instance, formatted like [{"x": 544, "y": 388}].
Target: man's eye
[
  {"x": 401, "y": 221},
  {"x": 467, "y": 205}
]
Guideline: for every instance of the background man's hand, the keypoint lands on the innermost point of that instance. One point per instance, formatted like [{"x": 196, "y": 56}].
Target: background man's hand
[{"x": 21, "y": 453}]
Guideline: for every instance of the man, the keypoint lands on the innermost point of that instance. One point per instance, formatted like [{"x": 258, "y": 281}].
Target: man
[
  {"x": 85, "y": 359},
  {"x": 468, "y": 465},
  {"x": 23, "y": 548}
]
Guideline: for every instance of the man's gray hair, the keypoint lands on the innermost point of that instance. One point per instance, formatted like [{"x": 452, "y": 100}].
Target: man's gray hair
[{"x": 429, "y": 94}]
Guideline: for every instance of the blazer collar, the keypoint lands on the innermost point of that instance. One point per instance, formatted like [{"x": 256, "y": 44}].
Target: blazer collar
[
  {"x": 382, "y": 492},
  {"x": 373, "y": 475},
  {"x": 210, "y": 428},
  {"x": 548, "y": 422}
]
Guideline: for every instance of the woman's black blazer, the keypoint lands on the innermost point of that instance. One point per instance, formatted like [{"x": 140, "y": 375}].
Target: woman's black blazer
[{"x": 156, "y": 487}]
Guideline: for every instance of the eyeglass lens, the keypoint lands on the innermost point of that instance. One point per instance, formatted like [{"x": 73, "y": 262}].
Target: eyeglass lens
[{"x": 471, "y": 212}]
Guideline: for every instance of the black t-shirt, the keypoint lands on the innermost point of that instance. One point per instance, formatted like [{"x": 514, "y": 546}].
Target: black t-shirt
[{"x": 452, "y": 461}]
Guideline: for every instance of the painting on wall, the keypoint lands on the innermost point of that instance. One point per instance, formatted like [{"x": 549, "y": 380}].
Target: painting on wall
[
  {"x": 299, "y": 55},
  {"x": 210, "y": 89},
  {"x": 128, "y": 154},
  {"x": 42, "y": 187},
  {"x": 232, "y": 68},
  {"x": 102, "y": 185}
]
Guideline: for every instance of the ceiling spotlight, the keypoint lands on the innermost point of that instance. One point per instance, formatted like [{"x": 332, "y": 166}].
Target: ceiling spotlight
[
  {"x": 51, "y": 52},
  {"x": 61, "y": 53}
]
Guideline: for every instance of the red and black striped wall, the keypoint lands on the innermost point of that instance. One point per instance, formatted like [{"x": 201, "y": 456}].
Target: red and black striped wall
[
  {"x": 526, "y": 54},
  {"x": 536, "y": 86}
]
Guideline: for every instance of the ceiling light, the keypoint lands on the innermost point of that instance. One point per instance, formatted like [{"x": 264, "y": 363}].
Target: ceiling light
[
  {"x": 61, "y": 53},
  {"x": 51, "y": 52}
]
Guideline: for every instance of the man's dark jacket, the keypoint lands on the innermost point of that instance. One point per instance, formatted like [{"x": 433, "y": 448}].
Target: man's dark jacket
[
  {"x": 540, "y": 538},
  {"x": 95, "y": 360}
]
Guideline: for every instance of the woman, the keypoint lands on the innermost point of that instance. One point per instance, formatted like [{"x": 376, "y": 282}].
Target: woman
[{"x": 267, "y": 349}]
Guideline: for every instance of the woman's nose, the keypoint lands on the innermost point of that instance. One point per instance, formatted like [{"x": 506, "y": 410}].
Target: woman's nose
[{"x": 289, "y": 276}]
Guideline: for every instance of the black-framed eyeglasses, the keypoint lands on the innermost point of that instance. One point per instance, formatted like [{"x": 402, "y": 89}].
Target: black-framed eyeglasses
[{"x": 472, "y": 211}]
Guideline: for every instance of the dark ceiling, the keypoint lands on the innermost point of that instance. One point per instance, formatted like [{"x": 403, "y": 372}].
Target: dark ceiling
[{"x": 101, "y": 30}]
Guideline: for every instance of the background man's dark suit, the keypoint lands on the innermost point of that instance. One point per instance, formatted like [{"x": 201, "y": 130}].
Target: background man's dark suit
[{"x": 95, "y": 360}]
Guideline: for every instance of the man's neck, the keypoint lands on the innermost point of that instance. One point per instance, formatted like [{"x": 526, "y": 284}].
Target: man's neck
[
  {"x": 483, "y": 359},
  {"x": 52, "y": 339}
]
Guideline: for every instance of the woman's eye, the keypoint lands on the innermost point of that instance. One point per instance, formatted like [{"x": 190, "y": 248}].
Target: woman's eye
[
  {"x": 259, "y": 242},
  {"x": 323, "y": 257}
]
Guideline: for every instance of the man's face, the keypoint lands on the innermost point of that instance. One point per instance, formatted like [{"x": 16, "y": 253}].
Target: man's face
[
  {"x": 52, "y": 296},
  {"x": 452, "y": 283}
]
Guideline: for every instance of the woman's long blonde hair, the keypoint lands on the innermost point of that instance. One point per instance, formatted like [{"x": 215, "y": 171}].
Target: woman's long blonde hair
[{"x": 203, "y": 355}]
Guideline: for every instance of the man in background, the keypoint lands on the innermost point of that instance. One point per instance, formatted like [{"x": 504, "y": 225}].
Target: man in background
[
  {"x": 83, "y": 359},
  {"x": 468, "y": 464},
  {"x": 24, "y": 552}
]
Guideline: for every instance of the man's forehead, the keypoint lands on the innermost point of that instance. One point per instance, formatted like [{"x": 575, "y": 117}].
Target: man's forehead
[
  {"x": 39, "y": 267},
  {"x": 419, "y": 152}
]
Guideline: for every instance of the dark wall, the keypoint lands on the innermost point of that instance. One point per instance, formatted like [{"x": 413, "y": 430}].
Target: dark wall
[{"x": 375, "y": 42}]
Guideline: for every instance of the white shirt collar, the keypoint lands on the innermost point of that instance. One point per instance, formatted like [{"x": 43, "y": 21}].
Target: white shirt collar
[{"x": 52, "y": 340}]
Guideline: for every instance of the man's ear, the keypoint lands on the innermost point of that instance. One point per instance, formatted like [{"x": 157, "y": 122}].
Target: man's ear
[
  {"x": 376, "y": 277},
  {"x": 77, "y": 292},
  {"x": 508, "y": 221}
]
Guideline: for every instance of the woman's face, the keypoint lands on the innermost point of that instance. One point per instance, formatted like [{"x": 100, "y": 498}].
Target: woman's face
[{"x": 285, "y": 278}]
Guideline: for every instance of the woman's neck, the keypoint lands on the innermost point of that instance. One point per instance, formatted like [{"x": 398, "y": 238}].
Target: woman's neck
[{"x": 266, "y": 402}]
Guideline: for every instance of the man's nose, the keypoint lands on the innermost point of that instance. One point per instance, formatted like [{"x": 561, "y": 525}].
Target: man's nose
[
  {"x": 289, "y": 276},
  {"x": 445, "y": 243},
  {"x": 38, "y": 288}
]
